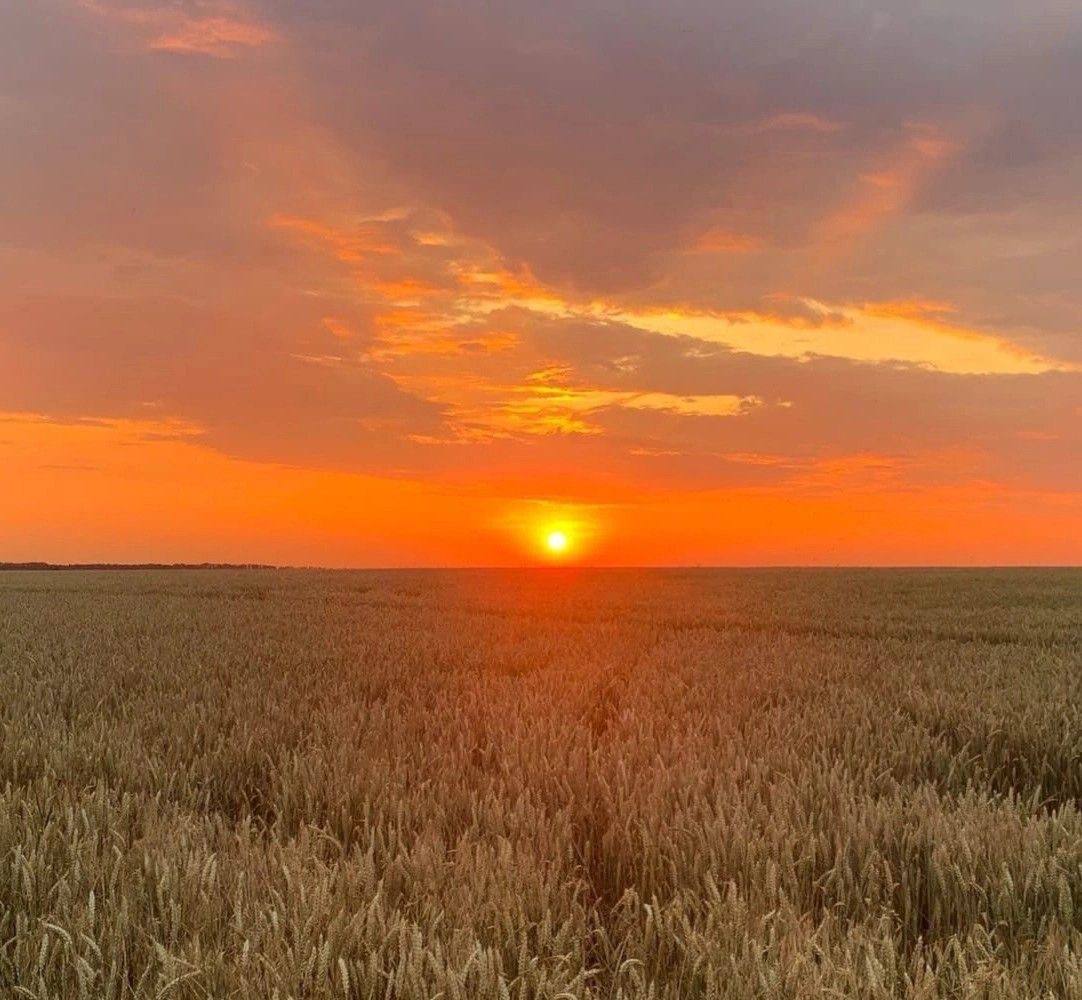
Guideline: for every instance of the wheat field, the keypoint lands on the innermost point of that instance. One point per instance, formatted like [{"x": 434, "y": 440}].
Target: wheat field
[{"x": 618, "y": 784}]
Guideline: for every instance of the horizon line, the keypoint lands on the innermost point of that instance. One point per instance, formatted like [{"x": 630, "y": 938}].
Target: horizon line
[{"x": 45, "y": 566}]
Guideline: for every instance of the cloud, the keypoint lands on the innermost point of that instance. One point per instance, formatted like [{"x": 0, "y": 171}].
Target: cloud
[
  {"x": 719, "y": 240},
  {"x": 222, "y": 32},
  {"x": 212, "y": 36},
  {"x": 568, "y": 150},
  {"x": 434, "y": 286},
  {"x": 832, "y": 408},
  {"x": 254, "y": 388},
  {"x": 799, "y": 120},
  {"x": 888, "y": 186}
]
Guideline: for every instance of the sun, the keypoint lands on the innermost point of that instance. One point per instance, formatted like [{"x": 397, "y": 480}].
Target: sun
[{"x": 556, "y": 542}]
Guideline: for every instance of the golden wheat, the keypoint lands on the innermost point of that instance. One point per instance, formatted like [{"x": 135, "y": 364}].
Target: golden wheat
[{"x": 537, "y": 785}]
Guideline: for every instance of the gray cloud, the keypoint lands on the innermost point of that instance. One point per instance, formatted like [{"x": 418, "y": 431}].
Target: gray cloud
[{"x": 590, "y": 142}]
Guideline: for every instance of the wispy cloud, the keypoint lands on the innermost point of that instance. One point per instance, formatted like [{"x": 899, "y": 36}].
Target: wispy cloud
[
  {"x": 799, "y": 120},
  {"x": 222, "y": 32},
  {"x": 721, "y": 240},
  {"x": 890, "y": 181}
]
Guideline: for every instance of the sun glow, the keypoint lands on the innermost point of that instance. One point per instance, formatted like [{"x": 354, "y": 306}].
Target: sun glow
[{"x": 556, "y": 542}]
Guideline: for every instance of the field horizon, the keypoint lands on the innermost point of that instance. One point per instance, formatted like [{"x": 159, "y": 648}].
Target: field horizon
[{"x": 44, "y": 566}]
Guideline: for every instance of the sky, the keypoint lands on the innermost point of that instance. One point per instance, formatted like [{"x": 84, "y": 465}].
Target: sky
[{"x": 405, "y": 283}]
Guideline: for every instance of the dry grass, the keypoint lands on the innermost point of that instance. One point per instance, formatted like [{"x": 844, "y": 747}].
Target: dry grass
[{"x": 684, "y": 784}]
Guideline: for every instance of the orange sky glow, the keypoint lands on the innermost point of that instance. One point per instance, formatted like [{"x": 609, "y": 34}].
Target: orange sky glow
[{"x": 397, "y": 285}]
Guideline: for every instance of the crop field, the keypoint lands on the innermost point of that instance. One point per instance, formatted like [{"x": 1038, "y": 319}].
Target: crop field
[{"x": 541, "y": 784}]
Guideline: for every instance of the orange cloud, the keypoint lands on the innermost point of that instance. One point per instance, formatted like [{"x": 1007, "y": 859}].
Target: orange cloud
[
  {"x": 170, "y": 29},
  {"x": 872, "y": 332},
  {"x": 411, "y": 342},
  {"x": 350, "y": 246},
  {"x": 473, "y": 283},
  {"x": 912, "y": 309},
  {"x": 406, "y": 289},
  {"x": 545, "y": 405},
  {"x": 338, "y": 328},
  {"x": 721, "y": 240},
  {"x": 414, "y": 266},
  {"x": 887, "y": 186},
  {"x": 931, "y": 316},
  {"x": 212, "y": 36},
  {"x": 499, "y": 283},
  {"x": 799, "y": 120}
]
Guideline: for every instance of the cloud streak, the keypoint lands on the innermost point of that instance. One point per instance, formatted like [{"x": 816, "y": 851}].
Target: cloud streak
[{"x": 221, "y": 32}]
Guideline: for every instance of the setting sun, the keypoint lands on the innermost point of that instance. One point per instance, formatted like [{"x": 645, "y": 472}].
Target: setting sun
[{"x": 556, "y": 542}]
